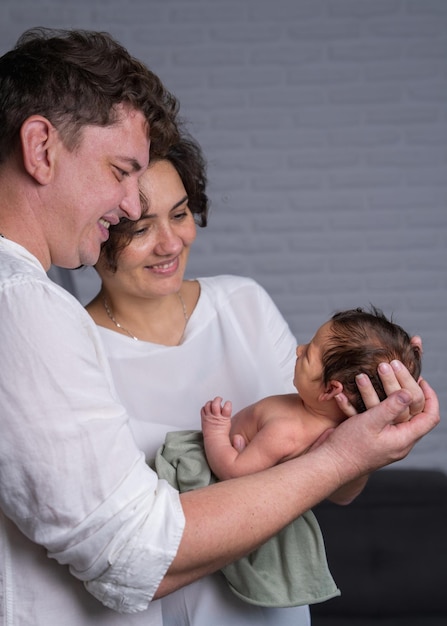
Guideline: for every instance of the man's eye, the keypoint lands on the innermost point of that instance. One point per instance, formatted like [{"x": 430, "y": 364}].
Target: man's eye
[{"x": 121, "y": 173}]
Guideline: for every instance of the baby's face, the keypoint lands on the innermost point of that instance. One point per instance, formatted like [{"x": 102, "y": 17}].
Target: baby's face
[{"x": 309, "y": 367}]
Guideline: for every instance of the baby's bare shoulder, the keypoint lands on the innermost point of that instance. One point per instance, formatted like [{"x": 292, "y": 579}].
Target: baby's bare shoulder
[{"x": 275, "y": 407}]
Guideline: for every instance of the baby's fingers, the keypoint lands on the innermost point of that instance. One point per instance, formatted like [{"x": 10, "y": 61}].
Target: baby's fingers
[
  {"x": 227, "y": 408},
  {"x": 216, "y": 405}
]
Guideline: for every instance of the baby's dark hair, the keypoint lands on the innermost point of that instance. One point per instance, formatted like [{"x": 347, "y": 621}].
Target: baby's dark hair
[{"x": 360, "y": 340}]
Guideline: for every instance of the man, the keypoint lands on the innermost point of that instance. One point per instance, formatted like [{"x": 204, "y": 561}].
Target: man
[{"x": 76, "y": 113}]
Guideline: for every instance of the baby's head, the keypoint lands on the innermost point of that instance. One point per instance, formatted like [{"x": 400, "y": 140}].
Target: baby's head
[{"x": 359, "y": 341}]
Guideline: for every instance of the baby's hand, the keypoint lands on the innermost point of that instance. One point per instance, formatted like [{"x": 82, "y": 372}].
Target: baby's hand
[{"x": 215, "y": 411}]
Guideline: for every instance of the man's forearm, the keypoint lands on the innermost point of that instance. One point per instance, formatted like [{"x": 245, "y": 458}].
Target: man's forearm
[
  {"x": 347, "y": 493},
  {"x": 230, "y": 519}
]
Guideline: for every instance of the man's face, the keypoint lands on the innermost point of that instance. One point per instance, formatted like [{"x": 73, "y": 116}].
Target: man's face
[{"x": 94, "y": 186}]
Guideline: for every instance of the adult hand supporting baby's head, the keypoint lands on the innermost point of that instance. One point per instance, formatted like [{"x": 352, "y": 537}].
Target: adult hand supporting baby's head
[
  {"x": 378, "y": 437},
  {"x": 394, "y": 376}
]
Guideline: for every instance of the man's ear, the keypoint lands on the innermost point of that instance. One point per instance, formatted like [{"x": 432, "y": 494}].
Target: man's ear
[
  {"x": 38, "y": 137},
  {"x": 333, "y": 388}
]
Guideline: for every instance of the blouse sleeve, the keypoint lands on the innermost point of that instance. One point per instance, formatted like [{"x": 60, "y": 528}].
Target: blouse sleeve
[
  {"x": 283, "y": 341},
  {"x": 72, "y": 478},
  {"x": 263, "y": 328}
]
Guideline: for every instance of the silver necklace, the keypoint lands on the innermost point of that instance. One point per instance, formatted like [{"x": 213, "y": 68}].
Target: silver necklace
[{"x": 118, "y": 325}]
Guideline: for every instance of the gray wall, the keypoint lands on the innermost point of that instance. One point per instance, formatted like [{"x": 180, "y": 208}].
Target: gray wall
[{"x": 325, "y": 126}]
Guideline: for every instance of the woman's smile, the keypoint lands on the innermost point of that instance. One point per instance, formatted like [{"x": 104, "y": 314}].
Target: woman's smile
[{"x": 167, "y": 267}]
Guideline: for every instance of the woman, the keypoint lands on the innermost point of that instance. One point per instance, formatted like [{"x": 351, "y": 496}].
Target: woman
[{"x": 173, "y": 343}]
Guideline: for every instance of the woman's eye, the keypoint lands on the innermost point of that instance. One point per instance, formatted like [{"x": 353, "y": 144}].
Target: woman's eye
[
  {"x": 180, "y": 216},
  {"x": 139, "y": 232}
]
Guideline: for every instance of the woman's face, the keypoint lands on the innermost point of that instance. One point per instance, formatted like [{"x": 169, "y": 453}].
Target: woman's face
[{"x": 154, "y": 262}]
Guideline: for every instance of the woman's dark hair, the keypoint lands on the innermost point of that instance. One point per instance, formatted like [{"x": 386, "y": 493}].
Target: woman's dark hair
[
  {"x": 76, "y": 78},
  {"x": 187, "y": 158},
  {"x": 359, "y": 341}
]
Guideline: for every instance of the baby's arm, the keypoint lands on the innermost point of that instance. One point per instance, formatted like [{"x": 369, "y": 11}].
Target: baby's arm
[
  {"x": 271, "y": 444},
  {"x": 216, "y": 425}
]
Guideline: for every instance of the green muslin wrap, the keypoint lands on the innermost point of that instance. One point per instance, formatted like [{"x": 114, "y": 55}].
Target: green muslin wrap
[{"x": 288, "y": 570}]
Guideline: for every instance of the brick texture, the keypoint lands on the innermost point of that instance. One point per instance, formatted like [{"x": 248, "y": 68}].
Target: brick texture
[{"x": 325, "y": 128}]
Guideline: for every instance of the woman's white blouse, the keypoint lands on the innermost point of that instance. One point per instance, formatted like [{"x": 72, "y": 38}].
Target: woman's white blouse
[
  {"x": 78, "y": 501},
  {"x": 236, "y": 345}
]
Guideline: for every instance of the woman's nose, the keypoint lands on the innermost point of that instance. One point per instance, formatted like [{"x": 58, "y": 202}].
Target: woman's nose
[{"x": 168, "y": 242}]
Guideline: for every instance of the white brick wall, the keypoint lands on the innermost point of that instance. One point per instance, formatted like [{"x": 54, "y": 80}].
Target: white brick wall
[{"x": 325, "y": 127}]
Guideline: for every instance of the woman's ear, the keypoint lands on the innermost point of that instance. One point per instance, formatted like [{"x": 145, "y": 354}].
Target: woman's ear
[
  {"x": 333, "y": 388},
  {"x": 38, "y": 137}
]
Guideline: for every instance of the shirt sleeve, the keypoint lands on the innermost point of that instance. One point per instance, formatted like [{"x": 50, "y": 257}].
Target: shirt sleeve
[
  {"x": 278, "y": 332},
  {"x": 261, "y": 326},
  {"x": 73, "y": 479}
]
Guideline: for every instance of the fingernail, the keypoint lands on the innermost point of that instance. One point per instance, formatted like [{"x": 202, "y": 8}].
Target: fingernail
[
  {"x": 396, "y": 365},
  {"x": 384, "y": 368},
  {"x": 361, "y": 379},
  {"x": 404, "y": 396}
]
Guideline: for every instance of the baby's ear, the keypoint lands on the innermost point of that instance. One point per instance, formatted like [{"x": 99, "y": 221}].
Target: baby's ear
[{"x": 333, "y": 388}]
